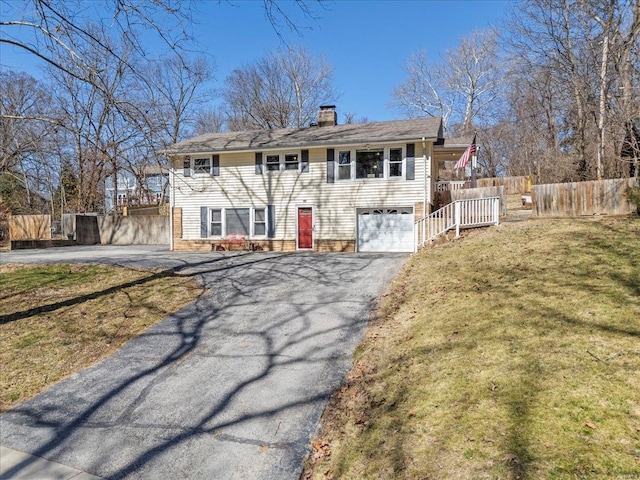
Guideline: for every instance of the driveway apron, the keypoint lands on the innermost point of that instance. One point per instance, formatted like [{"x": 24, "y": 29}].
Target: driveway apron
[{"x": 231, "y": 386}]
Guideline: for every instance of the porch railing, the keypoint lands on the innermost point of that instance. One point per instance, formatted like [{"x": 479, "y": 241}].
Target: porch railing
[
  {"x": 452, "y": 185},
  {"x": 469, "y": 213}
]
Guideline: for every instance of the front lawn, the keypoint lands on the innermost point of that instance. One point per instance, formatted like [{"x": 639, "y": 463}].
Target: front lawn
[
  {"x": 57, "y": 319},
  {"x": 511, "y": 353}
]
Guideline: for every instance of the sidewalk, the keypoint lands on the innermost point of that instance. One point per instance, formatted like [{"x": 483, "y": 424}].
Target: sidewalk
[{"x": 34, "y": 468}]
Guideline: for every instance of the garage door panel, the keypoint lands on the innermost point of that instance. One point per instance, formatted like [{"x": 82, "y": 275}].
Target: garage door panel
[{"x": 385, "y": 230}]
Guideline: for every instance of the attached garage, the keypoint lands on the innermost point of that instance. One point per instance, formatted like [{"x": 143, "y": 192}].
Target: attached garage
[{"x": 385, "y": 229}]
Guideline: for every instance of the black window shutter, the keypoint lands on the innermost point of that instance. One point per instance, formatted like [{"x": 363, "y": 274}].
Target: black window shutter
[
  {"x": 271, "y": 219},
  {"x": 304, "y": 163},
  {"x": 411, "y": 161},
  {"x": 186, "y": 165},
  {"x": 204, "y": 220},
  {"x": 258, "y": 163},
  {"x": 215, "y": 165},
  {"x": 330, "y": 165}
]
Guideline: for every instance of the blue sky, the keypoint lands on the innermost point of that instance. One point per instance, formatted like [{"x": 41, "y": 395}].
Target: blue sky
[{"x": 367, "y": 42}]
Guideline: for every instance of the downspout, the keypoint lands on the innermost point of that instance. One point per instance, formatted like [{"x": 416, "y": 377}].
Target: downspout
[
  {"x": 424, "y": 179},
  {"x": 424, "y": 190},
  {"x": 171, "y": 203}
]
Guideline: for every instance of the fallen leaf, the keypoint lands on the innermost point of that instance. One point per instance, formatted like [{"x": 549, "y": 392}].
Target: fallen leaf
[{"x": 590, "y": 425}]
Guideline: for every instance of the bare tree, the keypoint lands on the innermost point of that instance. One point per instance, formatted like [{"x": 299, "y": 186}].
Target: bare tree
[
  {"x": 588, "y": 49},
  {"x": 172, "y": 93},
  {"x": 107, "y": 121},
  {"x": 424, "y": 91},
  {"x": 56, "y": 31},
  {"x": 475, "y": 78},
  {"x": 28, "y": 131},
  {"x": 209, "y": 120},
  {"x": 462, "y": 88},
  {"x": 282, "y": 90}
]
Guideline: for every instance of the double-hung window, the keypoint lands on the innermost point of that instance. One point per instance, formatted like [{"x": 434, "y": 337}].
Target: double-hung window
[
  {"x": 260, "y": 221},
  {"x": 202, "y": 165},
  {"x": 273, "y": 163},
  {"x": 215, "y": 230},
  {"x": 395, "y": 162},
  {"x": 291, "y": 161},
  {"x": 344, "y": 165}
]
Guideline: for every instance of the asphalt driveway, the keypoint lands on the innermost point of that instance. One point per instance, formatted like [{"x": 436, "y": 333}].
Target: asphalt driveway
[{"x": 231, "y": 386}]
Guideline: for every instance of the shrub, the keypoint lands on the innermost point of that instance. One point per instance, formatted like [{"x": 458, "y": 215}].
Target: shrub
[{"x": 633, "y": 195}]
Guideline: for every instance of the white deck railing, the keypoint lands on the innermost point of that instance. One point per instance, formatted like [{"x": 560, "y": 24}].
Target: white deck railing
[
  {"x": 475, "y": 212},
  {"x": 452, "y": 185}
]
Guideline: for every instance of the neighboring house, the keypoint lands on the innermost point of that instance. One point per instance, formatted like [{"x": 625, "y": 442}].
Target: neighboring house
[
  {"x": 326, "y": 187},
  {"x": 148, "y": 187}
]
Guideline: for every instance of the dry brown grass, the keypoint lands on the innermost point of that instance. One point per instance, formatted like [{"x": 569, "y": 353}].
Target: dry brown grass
[
  {"x": 57, "y": 319},
  {"x": 510, "y": 354}
]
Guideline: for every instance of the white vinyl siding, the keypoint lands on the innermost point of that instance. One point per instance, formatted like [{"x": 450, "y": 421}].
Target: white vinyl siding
[{"x": 334, "y": 204}]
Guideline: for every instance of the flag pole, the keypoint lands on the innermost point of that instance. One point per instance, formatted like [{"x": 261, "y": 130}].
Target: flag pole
[{"x": 474, "y": 163}]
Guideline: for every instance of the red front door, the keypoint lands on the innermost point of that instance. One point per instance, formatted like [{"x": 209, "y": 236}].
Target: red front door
[{"x": 305, "y": 227}]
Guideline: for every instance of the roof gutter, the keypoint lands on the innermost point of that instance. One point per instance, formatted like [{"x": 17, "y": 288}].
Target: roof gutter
[{"x": 334, "y": 143}]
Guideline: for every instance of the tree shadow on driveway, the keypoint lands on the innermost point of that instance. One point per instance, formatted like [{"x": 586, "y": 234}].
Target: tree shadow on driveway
[{"x": 231, "y": 386}]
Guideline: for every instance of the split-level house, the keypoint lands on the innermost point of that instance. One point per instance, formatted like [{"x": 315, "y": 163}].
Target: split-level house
[{"x": 326, "y": 187}]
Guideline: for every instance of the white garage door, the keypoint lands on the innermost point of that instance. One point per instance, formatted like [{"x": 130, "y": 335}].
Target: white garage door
[{"x": 385, "y": 229}]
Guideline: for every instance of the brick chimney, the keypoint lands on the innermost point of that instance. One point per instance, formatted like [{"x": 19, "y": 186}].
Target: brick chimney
[{"x": 327, "y": 116}]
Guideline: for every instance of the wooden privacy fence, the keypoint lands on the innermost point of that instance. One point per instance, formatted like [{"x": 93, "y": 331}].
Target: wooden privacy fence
[
  {"x": 511, "y": 185},
  {"x": 597, "y": 197},
  {"x": 484, "y": 192},
  {"x": 30, "y": 227}
]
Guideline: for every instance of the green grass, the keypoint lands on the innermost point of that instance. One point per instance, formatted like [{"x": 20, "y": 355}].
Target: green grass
[
  {"x": 511, "y": 353},
  {"x": 57, "y": 319}
]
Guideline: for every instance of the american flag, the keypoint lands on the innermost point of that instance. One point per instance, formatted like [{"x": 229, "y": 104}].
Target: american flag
[{"x": 464, "y": 159}]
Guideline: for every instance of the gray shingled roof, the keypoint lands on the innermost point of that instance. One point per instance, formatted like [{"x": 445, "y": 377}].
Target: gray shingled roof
[
  {"x": 392, "y": 131},
  {"x": 456, "y": 142}
]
